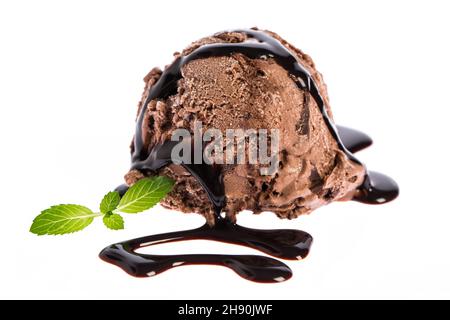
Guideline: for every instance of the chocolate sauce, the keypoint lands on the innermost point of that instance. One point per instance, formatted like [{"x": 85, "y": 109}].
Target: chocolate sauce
[
  {"x": 286, "y": 244},
  {"x": 377, "y": 188},
  {"x": 209, "y": 176},
  {"x": 122, "y": 189},
  {"x": 354, "y": 140}
]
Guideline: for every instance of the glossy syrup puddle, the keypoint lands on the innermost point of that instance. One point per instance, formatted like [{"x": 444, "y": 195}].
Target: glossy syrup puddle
[{"x": 283, "y": 243}]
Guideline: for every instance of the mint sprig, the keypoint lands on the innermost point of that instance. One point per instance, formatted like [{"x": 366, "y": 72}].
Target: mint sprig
[
  {"x": 144, "y": 194},
  {"x": 109, "y": 202},
  {"x": 63, "y": 218},
  {"x": 113, "y": 221},
  {"x": 68, "y": 218}
]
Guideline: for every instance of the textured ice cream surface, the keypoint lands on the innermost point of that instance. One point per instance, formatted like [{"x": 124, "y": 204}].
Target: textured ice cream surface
[{"x": 235, "y": 91}]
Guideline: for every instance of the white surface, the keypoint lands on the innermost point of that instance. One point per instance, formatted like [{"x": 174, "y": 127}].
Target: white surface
[{"x": 70, "y": 78}]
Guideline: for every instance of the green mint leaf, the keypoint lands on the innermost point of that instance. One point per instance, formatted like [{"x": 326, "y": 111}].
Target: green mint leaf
[
  {"x": 144, "y": 194},
  {"x": 109, "y": 202},
  {"x": 63, "y": 218},
  {"x": 113, "y": 221}
]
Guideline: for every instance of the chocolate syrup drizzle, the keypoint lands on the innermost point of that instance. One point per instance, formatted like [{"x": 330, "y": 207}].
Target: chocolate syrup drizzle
[{"x": 286, "y": 244}]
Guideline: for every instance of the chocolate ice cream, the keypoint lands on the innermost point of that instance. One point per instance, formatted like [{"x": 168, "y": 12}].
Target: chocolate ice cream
[
  {"x": 248, "y": 79},
  {"x": 252, "y": 81}
]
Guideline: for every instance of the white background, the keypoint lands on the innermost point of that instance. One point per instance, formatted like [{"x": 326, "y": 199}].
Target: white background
[{"x": 70, "y": 78}]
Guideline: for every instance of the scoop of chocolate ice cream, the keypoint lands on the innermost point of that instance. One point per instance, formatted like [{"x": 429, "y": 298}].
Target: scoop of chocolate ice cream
[{"x": 239, "y": 90}]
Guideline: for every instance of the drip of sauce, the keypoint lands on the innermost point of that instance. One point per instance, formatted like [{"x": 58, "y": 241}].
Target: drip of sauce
[
  {"x": 354, "y": 140},
  {"x": 209, "y": 176},
  {"x": 377, "y": 188},
  {"x": 286, "y": 244}
]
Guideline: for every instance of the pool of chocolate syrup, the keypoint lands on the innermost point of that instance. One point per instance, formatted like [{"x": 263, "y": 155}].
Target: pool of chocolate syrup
[{"x": 285, "y": 244}]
